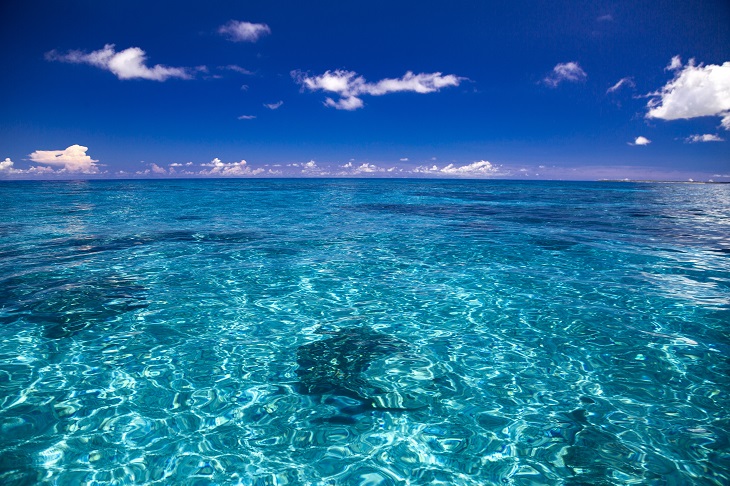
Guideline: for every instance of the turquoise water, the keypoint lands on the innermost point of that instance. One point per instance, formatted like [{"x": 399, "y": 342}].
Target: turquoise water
[{"x": 364, "y": 332}]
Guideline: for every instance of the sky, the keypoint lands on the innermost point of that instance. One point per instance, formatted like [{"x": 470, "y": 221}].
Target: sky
[{"x": 460, "y": 89}]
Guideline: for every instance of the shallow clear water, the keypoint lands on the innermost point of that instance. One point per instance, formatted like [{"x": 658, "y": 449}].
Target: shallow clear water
[{"x": 364, "y": 332}]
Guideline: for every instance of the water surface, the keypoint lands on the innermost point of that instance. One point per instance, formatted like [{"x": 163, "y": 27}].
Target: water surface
[{"x": 364, "y": 332}]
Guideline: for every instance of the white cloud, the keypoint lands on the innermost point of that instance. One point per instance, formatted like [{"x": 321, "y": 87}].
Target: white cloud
[
  {"x": 176, "y": 168},
  {"x": 156, "y": 169},
  {"x": 725, "y": 122},
  {"x": 350, "y": 103},
  {"x": 418, "y": 83},
  {"x": 605, "y": 18},
  {"x": 404, "y": 159},
  {"x": 40, "y": 170},
  {"x": 422, "y": 169},
  {"x": 236, "y": 68},
  {"x": 567, "y": 71},
  {"x": 342, "y": 82},
  {"x": 620, "y": 84},
  {"x": 481, "y": 168},
  {"x": 704, "y": 138},
  {"x": 6, "y": 166},
  {"x": 72, "y": 159},
  {"x": 695, "y": 91},
  {"x": 273, "y": 106},
  {"x": 238, "y": 31},
  {"x": 229, "y": 169},
  {"x": 640, "y": 141},
  {"x": 674, "y": 64},
  {"x": 367, "y": 168},
  {"x": 311, "y": 168},
  {"x": 364, "y": 168},
  {"x": 247, "y": 117},
  {"x": 126, "y": 64},
  {"x": 350, "y": 86}
]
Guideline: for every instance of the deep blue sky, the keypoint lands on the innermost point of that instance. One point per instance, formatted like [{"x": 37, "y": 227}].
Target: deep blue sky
[{"x": 504, "y": 109}]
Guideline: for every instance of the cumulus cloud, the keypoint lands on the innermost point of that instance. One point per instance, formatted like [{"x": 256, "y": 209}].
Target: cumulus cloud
[
  {"x": 481, "y": 168},
  {"x": 273, "y": 106},
  {"x": 350, "y": 86},
  {"x": 6, "y": 166},
  {"x": 350, "y": 103},
  {"x": 708, "y": 137},
  {"x": 567, "y": 71},
  {"x": 156, "y": 169},
  {"x": 38, "y": 170},
  {"x": 695, "y": 91},
  {"x": 640, "y": 141},
  {"x": 229, "y": 169},
  {"x": 311, "y": 168},
  {"x": 72, "y": 159},
  {"x": 367, "y": 168},
  {"x": 238, "y": 31},
  {"x": 126, "y": 64},
  {"x": 338, "y": 81},
  {"x": 620, "y": 84}
]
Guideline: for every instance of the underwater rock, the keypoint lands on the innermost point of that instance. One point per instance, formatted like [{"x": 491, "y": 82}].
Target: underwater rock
[
  {"x": 70, "y": 305},
  {"x": 336, "y": 371}
]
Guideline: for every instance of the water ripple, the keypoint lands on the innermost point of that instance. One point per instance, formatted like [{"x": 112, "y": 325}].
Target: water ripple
[{"x": 364, "y": 332}]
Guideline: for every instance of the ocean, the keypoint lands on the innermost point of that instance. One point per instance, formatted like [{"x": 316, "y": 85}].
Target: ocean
[{"x": 364, "y": 332}]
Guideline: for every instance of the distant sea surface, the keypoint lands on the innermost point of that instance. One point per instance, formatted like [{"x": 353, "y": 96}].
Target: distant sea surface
[{"x": 270, "y": 332}]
